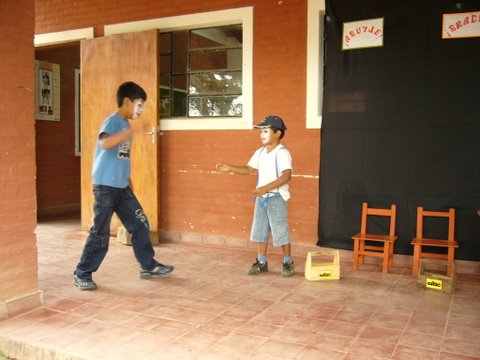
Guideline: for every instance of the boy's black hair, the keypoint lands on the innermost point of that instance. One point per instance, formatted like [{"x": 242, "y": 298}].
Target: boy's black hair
[
  {"x": 130, "y": 90},
  {"x": 281, "y": 130}
]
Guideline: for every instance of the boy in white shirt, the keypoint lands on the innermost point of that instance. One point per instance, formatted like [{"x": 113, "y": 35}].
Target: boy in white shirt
[{"x": 273, "y": 164}]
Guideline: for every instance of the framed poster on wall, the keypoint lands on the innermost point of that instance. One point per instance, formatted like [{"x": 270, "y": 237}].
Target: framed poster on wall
[{"x": 47, "y": 91}]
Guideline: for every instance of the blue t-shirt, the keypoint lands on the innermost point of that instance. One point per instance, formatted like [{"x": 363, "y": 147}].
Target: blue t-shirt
[{"x": 112, "y": 167}]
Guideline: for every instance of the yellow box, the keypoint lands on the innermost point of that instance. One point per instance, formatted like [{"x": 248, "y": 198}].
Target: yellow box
[
  {"x": 435, "y": 281},
  {"x": 123, "y": 236},
  {"x": 322, "y": 265}
]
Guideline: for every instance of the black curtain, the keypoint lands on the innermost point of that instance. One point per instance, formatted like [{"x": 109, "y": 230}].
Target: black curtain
[{"x": 401, "y": 123}]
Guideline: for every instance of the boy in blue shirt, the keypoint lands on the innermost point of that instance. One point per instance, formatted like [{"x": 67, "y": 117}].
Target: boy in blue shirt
[
  {"x": 273, "y": 164},
  {"x": 112, "y": 192}
]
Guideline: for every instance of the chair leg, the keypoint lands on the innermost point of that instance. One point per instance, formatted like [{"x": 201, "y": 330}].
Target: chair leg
[
  {"x": 451, "y": 259},
  {"x": 356, "y": 246},
  {"x": 416, "y": 259},
  {"x": 361, "y": 258},
  {"x": 386, "y": 255},
  {"x": 390, "y": 257}
]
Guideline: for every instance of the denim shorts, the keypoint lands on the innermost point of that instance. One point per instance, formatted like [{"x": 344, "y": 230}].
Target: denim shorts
[{"x": 270, "y": 215}]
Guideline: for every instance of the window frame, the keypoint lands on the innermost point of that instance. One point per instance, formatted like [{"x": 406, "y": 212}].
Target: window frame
[
  {"x": 243, "y": 16},
  {"x": 315, "y": 63}
]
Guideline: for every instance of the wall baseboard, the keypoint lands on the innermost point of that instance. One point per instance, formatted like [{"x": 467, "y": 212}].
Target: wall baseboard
[{"x": 21, "y": 304}]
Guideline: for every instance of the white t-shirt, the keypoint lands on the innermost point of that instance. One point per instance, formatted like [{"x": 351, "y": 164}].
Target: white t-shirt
[{"x": 270, "y": 166}]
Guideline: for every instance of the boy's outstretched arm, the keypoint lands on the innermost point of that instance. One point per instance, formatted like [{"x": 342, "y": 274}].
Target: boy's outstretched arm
[{"x": 241, "y": 170}]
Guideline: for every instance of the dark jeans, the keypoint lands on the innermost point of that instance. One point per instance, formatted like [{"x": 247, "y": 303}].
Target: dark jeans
[{"x": 124, "y": 203}]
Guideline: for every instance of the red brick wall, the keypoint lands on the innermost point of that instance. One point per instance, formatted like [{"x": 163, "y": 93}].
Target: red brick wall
[
  {"x": 196, "y": 199},
  {"x": 18, "y": 252},
  {"x": 58, "y": 169}
]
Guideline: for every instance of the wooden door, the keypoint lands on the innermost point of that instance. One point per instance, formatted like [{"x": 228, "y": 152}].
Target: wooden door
[{"x": 106, "y": 63}]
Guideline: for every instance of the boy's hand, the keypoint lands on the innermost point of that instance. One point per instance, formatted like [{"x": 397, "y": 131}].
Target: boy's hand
[
  {"x": 222, "y": 167},
  {"x": 260, "y": 191}
]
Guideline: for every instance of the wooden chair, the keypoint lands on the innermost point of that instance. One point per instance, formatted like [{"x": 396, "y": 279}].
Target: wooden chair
[
  {"x": 419, "y": 241},
  {"x": 363, "y": 240}
]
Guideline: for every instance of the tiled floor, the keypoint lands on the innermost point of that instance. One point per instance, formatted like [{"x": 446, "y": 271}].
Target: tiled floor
[{"x": 210, "y": 309}]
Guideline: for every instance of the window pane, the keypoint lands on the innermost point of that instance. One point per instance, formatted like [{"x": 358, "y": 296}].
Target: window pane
[
  {"x": 179, "y": 84},
  {"x": 225, "y": 36},
  {"x": 215, "y": 106},
  {"x": 216, "y": 83},
  {"x": 180, "y": 52},
  {"x": 216, "y": 60},
  {"x": 165, "y": 43},
  {"x": 165, "y": 64},
  {"x": 165, "y": 85}
]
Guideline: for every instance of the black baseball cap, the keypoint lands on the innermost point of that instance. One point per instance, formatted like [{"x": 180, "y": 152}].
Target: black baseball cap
[{"x": 273, "y": 121}]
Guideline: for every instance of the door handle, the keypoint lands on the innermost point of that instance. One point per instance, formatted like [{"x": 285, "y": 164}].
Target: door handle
[{"x": 153, "y": 133}]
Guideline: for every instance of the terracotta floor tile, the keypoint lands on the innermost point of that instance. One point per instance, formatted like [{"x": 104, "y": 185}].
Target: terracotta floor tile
[
  {"x": 331, "y": 341},
  {"x": 388, "y": 320},
  {"x": 63, "y": 304},
  {"x": 381, "y": 334},
  {"x": 447, "y": 356},
  {"x": 236, "y": 346},
  {"x": 425, "y": 327},
  {"x": 255, "y": 303},
  {"x": 226, "y": 297},
  {"x": 194, "y": 317},
  {"x": 462, "y": 332},
  {"x": 408, "y": 353},
  {"x": 426, "y": 341},
  {"x": 172, "y": 327},
  {"x": 279, "y": 350},
  {"x": 115, "y": 316},
  {"x": 462, "y": 347},
  {"x": 259, "y": 329},
  {"x": 88, "y": 326},
  {"x": 296, "y": 298},
  {"x": 39, "y": 315},
  {"x": 313, "y": 353},
  {"x": 310, "y": 324},
  {"x": 196, "y": 341},
  {"x": 145, "y": 322},
  {"x": 464, "y": 320},
  {"x": 291, "y": 335},
  {"x": 318, "y": 312},
  {"x": 343, "y": 328},
  {"x": 286, "y": 308},
  {"x": 226, "y": 322},
  {"x": 360, "y": 316},
  {"x": 89, "y": 309},
  {"x": 62, "y": 320},
  {"x": 273, "y": 318},
  {"x": 372, "y": 348},
  {"x": 211, "y": 309},
  {"x": 240, "y": 312}
]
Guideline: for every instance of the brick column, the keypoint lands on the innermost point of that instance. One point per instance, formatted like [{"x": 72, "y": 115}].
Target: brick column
[{"x": 18, "y": 252}]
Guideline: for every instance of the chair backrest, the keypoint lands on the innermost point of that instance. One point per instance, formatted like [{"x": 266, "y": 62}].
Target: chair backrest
[
  {"x": 450, "y": 215},
  {"x": 367, "y": 211}
]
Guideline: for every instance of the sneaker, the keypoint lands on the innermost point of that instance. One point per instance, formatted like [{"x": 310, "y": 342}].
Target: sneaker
[
  {"x": 160, "y": 270},
  {"x": 84, "y": 284},
  {"x": 288, "y": 270},
  {"x": 258, "y": 267}
]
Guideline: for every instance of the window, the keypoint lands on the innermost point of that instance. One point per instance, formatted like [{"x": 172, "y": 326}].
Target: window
[
  {"x": 201, "y": 72},
  {"x": 209, "y": 87}
]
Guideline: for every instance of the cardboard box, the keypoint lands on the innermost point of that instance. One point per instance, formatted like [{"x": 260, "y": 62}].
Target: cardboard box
[
  {"x": 433, "y": 275},
  {"x": 322, "y": 265}
]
